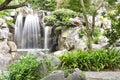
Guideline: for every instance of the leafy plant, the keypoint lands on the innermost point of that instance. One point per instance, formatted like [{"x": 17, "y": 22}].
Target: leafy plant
[
  {"x": 27, "y": 68},
  {"x": 59, "y": 19},
  {"x": 97, "y": 33},
  {"x": 94, "y": 60},
  {"x": 113, "y": 34}
]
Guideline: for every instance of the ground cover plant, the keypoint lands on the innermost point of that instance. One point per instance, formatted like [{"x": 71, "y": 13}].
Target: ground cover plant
[
  {"x": 27, "y": 68},
  {"x": 91, "y": 60}
]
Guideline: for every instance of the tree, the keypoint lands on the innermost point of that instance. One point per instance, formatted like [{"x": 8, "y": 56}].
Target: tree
[
  {"x": 90, "y": 26},
  {"x": 5, "y": 5}
]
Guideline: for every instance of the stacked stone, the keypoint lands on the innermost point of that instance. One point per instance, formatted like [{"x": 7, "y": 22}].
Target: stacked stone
[{"x": 6, "y": 47}]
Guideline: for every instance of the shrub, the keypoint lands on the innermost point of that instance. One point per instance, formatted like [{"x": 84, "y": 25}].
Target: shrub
[
  {"x": 27, "y": 68},
  {"x": 59, "y": 19},
  {"x": 94, "y": 60}
]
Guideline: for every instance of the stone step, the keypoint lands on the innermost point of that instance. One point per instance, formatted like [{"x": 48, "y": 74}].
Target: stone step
[{"x": 102, "y": 75}]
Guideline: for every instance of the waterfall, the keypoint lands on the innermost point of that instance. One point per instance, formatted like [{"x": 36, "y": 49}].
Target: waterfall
[
  {"x": 31, "y": 32},
  {"x": 18, "y": 30},
  {"x": 28, "y": 32},
  {"x": 46, "y": 37},
  {"x": 27, "y": 35}
]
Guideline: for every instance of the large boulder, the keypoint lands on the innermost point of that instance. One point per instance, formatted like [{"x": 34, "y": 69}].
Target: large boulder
[
  {"x": 41, "y": 55},
  {"x": 73, "y": 74},
  {"x": 69, "y": 39}
]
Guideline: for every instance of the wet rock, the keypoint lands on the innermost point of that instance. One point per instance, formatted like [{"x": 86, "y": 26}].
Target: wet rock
[{"x": 12, "y": 45}]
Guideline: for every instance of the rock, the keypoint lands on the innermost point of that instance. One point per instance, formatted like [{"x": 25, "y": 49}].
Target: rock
[
  {"x": 55, "y": 76},
  {"x": 8, "y": 18},
  {"x": 69, "y": 39},
  {"x": 76, "y": 21},
  {"x": 5, "y": 60},
  {"x": 76, "y": 75},
  {"x": 59, "y": 53},
  {"x": 13, "y": 13},
  {"x": 72, "y": 74},
  {"x": 103, "y": 40},
  {"x": 96, "y": 46},
  {"x": 2, "y": 21},
  {"x": 40, "y": 56},
  {"x": 12, "y": 45},
  {"x": 4, "y": 31},
  {"x": 4, "y": 48}
]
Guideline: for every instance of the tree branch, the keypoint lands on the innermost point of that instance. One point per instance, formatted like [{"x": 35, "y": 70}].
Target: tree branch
[
  {"x": 84, "y": 13},
  {"x": 94, "y": 15},
  {"x": 5, "y": 4}
]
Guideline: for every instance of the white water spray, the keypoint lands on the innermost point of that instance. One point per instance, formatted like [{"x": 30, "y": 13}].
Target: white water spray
[
  {"x": 46, "y": 34},
  {"x": 18, "y": 30},
  {"x": 31, "y": 32}
]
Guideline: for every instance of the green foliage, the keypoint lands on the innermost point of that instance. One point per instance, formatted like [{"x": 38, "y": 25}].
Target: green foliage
[
  {"x": 9, "y": 22},
  {"x": 27, "y": 68},
  {"x": 72, "y": 4},
  {"x": 94, "y": 60},
  {"x": 48, "y": 5},
  {"x": 81, "y": 32},
  {"x": 97, "y": 33},
  {"x": 59, "y": 19},
  {"x": 114, "y": 33}
]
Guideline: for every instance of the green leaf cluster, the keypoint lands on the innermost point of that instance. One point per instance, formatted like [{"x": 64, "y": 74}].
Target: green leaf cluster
[
  {"x": 91, "y": 60},
  {"x": 113, "y": 34},
  {"x": 73, "y": 4},
  {"x": 59, "y": 19},
  {"x": 27, "y": 68},
  {"x": 48, "y": 5}
]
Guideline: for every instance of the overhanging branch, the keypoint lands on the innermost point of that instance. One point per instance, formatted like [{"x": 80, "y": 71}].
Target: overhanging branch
[{"x": 5, "y": 4}]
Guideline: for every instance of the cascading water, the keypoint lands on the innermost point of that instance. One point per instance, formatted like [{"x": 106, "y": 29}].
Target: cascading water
[
  {"x": 18, "y": 30},
  {"x": 46, "y": 34},
  {"x": 28, "y": 34},
  {"x": 31, "y": 32}
]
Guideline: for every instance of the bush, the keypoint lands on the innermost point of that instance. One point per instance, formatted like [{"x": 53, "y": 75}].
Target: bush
[
  {"x": 59, "y": 19},
  {"x": 27, "y": 68},
  {"x": 94, "y": 60}
]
